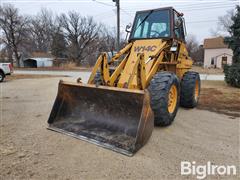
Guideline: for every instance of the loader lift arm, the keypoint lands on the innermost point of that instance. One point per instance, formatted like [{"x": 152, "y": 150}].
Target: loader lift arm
[{"x": 138, "y": 69}]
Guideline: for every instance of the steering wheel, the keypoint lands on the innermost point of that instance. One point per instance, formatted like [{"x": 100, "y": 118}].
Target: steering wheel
[{"x": 156, "y": 33}]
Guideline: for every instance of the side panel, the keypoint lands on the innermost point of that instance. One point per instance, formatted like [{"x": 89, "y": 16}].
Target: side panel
[
  {"x": 184, "y": 61},
  {"x": 149, "y": 48}
]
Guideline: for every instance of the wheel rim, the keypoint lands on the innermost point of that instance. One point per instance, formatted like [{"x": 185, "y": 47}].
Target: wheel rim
[
  {"x": 172, "y": 99},
  {"x": 196, "y": 90},
  {"x": 1, "y": 77}
]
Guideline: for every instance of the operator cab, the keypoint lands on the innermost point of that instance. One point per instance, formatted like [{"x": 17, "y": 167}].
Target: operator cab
[{"x": 158, "y": 24}]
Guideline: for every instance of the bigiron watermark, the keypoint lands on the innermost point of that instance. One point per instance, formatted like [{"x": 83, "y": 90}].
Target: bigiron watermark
[{"x": 202, "y": 171}]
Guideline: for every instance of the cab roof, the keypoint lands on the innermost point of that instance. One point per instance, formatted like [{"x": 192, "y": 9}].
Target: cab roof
[{"x": 163, "y": 8}]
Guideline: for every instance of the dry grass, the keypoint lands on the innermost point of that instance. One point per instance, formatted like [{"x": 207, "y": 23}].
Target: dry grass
[
  {"x": 70, "y": 65},
  {"x": 66, "y": 67},
  {"x": 202, "y": 70},
  {"x": 218, "y": 97}
]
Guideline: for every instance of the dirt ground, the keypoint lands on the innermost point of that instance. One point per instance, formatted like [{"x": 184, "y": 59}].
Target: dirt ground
[
  {"x": 217, "y": 96},
  {"x": 29, "y": 151},
  {"x": 202, "y": 70},
  {"x": 79, "y": 68},
  {"x": 29, "y": 76},
  {"x": 54, "y": 68}
]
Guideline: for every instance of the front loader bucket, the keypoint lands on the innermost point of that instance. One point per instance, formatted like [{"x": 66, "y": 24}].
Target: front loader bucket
[{"x": 114, "y": 118}]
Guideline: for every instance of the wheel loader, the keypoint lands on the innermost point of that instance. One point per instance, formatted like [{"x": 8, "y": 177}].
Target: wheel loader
[{"x": 141, "y": 86}]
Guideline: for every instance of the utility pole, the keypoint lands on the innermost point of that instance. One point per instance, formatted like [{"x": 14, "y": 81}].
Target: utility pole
[{"x": 118, "y": 23}]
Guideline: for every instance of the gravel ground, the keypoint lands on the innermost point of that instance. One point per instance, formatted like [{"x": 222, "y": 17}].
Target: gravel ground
[{"x": 29, "y": 151}]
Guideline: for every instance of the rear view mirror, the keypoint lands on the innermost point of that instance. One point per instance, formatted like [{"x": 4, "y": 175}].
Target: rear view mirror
[
  {"x": 128, "y": 28},
  {"x": 178, "y": 22}
]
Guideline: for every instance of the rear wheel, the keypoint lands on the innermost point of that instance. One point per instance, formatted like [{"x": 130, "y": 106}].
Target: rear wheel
[
  {"x": 190, "y": 89},
  {"x": 164, "y": 91},
  {"x": 1, "y": 76}
]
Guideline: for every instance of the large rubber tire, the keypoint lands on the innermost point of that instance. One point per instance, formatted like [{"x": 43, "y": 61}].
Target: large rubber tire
[
  {"x": 159, "y": 89},
  {"x": 98, "y": 79},
  {"x": 2, "y": 76},
  {"x": 190, "y": 89}
]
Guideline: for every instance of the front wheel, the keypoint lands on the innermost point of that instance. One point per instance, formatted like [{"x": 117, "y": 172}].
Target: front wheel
[
  {"x": 1, "y": 76},
  {"x": 164, "y": 91}
]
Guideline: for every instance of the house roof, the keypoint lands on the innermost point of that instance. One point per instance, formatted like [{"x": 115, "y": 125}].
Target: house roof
[{"x": 214, "y": 43}]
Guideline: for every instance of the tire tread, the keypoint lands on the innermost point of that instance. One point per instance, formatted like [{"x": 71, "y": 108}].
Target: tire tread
[{"x": 159, "y": 88}]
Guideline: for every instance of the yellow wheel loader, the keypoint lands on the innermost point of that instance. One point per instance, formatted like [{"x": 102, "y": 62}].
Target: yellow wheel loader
[{"x": 142, "y": 85}]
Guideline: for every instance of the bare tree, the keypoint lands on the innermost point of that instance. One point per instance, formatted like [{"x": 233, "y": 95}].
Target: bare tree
[
  {"x": 42, "y": 28},
  {"x": 14, "y": 28},
  {"x": 107, "y": 39},
  {"x": 224, "y": 23},
  {"x": 59, "y": 44},
  {"x": 71, "y": 35},
  {"x": 192, "y": 43},
  {"x": 80, "y": 32},
  {"x": 195, "y": 50}
]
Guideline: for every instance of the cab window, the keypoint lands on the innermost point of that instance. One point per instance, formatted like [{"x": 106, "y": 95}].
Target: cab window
[
  {"x": 178, "y": 27},
  {"x": 151, "y": 24}
]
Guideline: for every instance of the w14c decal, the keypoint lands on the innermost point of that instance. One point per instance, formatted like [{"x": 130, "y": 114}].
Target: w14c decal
[{"x": 145, "y": 48}]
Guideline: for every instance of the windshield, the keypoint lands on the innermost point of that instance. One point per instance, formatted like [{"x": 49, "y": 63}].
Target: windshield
[{"x": 151, "y": 24}]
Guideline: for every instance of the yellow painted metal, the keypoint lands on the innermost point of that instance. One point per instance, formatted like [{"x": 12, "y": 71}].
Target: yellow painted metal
[
  {"x": 105, "y": 69},
  {"x": 101, "y": 59},
  {"x": 121, "y": 52},
  {"x": 150, "y": 47},
  {"x": 97, "y": 65},
  {"x": 133, "y": 74},
  {"x": 118, "y": 71},
  {"x": 184, "y": 61},
  {"x": 172, "y": 98},
  {"x": 142, "y": 71},
  {"x": 143, "y": 59},
  {"x": 154, "y": 68}
]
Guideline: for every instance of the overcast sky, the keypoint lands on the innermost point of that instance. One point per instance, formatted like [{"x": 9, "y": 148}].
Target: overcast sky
[{"x": 201, "y": 15}]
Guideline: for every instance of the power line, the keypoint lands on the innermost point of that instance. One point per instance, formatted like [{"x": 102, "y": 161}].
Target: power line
[
  {"x": 127, "y": 13},
  {"x": 193, "y": 5},
  {"x": 201, "y": 21},
  {"x": 179, "y": 1},
  {"x": 103, "y": 14},
  {"x": 206, "y": 8},
  {"x": 106, "y": 4},
  {"x": 196, "y": 9}
]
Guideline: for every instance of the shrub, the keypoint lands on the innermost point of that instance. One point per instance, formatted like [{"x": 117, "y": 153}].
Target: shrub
[{"x": 232, "y": 74}]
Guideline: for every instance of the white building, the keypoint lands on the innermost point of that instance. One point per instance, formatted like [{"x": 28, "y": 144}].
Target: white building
[
  {"x": 38, "y": 59},
  {"x": 38, "y": 62},
  {"x": 216, "y": 53}
]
